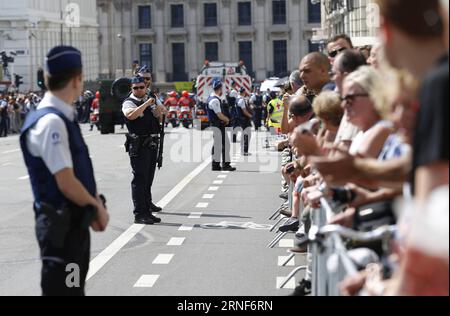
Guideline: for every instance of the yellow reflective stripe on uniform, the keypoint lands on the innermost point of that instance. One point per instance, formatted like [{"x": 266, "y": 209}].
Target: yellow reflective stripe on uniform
[{"x": 277, "y": 115}]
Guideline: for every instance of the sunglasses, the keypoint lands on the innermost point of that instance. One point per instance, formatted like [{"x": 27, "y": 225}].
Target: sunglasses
[
  {"x": 139, "y": 88},
  {"x": 334, "y": 53},
  {"x": 352, "y": 97}
]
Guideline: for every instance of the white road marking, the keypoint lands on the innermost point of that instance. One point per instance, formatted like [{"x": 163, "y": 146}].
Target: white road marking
[
  {"x": 225, "y": 172},
  {"x": 163, "y": 259},
  {"x": 175, "y": 241},
  {"x": 289, "y": 286},
  {"x": 7, "y": 164},
  {"x": 282, "y": 259},
  {"x": 218, "y": 182},
  {"x": 213, "y": 189},
  {"x": 202, "y": 205},
  {"x": 147, "y": 281},
  {"x": 11, "y": 151},
  {"x": 208, "y": 196},
  {"x": 24, "y": 178},
  {"x": 98, "y": 262},
  {"x": 195, "y": 215},
  {"x": 222, "y": 176},
  {"x": 186, "y": 228},
  {"x": 233, "y": 164},
  {"x": 286, "y": 243}
]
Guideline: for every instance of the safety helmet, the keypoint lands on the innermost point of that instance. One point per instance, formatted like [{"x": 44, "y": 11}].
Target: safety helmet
[
  {"x": 185, "y": 94},
  {"x": 97, "y": 95},
  {"x": 173, "y": 94}
]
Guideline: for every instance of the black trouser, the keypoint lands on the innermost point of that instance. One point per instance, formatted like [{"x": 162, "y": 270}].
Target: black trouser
[
  {"x": 221, "y": 145},
  {"x": 64, "y": 270},
  {"x": 144, "y": 167},
  {"x": 258, "y": 118},
  {"x": 3, "y": 127}
]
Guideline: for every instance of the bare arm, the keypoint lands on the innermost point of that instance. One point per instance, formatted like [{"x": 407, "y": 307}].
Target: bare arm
[
  {"x": 285, "y": 119},
  {"x": 223, "y": 118},
  {"x": 247, "y": 113},
  {"x": 134, "y": 114}
]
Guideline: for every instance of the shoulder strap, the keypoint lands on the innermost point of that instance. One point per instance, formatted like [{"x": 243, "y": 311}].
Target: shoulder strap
[{"x": 34, "y": 116}]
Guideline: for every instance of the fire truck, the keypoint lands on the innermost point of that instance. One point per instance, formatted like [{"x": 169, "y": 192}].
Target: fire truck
[{"x": 231, "y": 74}]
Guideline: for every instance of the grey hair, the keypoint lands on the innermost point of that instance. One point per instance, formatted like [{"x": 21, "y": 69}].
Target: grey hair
[{"x": 295, "y": 78}]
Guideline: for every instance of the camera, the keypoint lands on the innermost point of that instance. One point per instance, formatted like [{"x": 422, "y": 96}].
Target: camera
[{"x": 342, "y": 195}]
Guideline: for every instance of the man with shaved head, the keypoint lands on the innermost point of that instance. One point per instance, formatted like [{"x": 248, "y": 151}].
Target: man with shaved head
[{"x": 315, "y": 73}]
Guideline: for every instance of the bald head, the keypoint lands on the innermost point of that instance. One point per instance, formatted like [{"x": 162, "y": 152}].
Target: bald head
[{"x": 314, "y": 71}]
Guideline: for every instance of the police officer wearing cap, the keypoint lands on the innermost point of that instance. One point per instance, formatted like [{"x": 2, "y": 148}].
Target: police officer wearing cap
[
  {"x": 143, "y": 114},
  {"x": 66, "y": 201},
  {"x": 245, "y": 116},
  {"x": 219, "y": 122}
]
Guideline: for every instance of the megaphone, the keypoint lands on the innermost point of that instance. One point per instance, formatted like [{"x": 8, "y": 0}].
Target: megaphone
[{"x": 121, "y": 89}]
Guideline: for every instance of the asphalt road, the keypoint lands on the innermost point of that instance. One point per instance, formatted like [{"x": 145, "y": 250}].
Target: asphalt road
[{"x": 212, "y": 241}]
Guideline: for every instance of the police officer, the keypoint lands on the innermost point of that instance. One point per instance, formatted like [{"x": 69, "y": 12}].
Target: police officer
[
  {"x": 143, "y": 114},
  {"x": 232, "y": 102},
  {"x": 257, "y": 102},
  {"x": 219, "y": 122},
  {"x": 245, "y": 120},
  {"x": 66, "y": 201}
]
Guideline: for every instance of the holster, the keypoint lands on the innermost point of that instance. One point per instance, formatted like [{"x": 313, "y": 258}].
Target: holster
[
  {"x": 132, "y": 145},
  {"x": 57, "y": 222},
  {"x": 151, "y": 143}
]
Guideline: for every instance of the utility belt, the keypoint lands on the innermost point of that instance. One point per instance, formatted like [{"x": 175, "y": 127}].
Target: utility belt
[
  {"x": 135, "y": 143},
  {"x": 56, "y": 223}
]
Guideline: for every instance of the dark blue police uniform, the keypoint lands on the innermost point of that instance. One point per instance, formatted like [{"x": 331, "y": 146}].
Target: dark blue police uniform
[{"x": 142, "y": 146}]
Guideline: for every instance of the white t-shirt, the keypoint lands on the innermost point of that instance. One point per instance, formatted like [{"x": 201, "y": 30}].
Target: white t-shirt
[
  {"x": 234, "y": 94},
  {"x": 241, "y": 103},
  {"x": 215, "y": 105},
  {"x": 49, "y": 138}
]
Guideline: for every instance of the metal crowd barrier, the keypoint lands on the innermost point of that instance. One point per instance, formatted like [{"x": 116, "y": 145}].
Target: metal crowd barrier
[{"x": 331, "y": 263}]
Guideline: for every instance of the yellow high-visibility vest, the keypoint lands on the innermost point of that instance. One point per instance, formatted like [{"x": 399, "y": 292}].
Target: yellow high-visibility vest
[{"x": 277, "y": 115}]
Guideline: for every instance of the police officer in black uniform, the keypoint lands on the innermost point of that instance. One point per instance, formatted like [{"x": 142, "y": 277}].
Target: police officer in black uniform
[
  {"x": 245, "y": 116},
  {"x": 143, "y": 114},
  {"x": 66, "y": 202},
  {"x": 219, "y": 121},
  {"x": 257, "y": 103}
]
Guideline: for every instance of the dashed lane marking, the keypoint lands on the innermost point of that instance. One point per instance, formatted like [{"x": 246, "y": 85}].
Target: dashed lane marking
[
  {"x": 208, "y": 196},
  {"x": 282, "y": 259},
  {"x": 202, "y": 205},
  {"x": 24, "y": 178},
  {"x": 186, "y": 228},
  {"x": 289, "y": 286},
  {"x": 147, "y": 281},
  {"x": 195, "y": 215},
  {"x": 176, "y": 241},
  {"x": 286, "y": 243},
  {"x": 11, "y": 151},
  {"x": 163, "y": 259},
  {"x": 218, "y": 182},
  {"x": 222, "y": 176},
  {"x": 213, "y": 189}
]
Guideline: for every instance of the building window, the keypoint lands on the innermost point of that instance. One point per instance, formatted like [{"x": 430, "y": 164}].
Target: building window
[
  {"x": 314, "y": 13},
  {"x": 246, "y": 55},
  {"x": 245, "y": 13},
  {"x": 145, "y": 17},
  {"x": 280, "y": 58},
  {"x": 145, "y": 54},
  {"x": 179, "y": 63},
  {"x": 210, "y": 11},
  {"x": 212, "y": 51},
  {"x": 279, "y": 11},
  {"x": 177, "y": 14}
]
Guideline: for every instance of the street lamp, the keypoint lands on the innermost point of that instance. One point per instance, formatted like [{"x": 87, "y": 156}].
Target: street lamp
[{"x": 122, "y": 38}]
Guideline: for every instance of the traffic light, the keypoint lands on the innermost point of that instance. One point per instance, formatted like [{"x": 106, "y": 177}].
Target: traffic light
[
  {"x": 18, "y": 81},
  {"x": 40, "y": 79}
]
